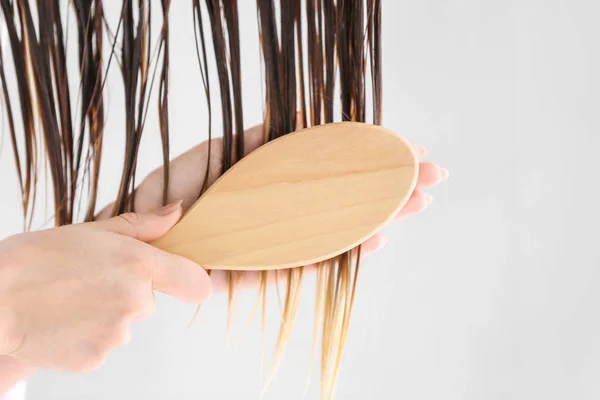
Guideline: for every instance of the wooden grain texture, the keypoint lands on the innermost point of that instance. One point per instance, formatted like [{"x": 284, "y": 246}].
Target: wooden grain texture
[{"x": 303, "y": 198}]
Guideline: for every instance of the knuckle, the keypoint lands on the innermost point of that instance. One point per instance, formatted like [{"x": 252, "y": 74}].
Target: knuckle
[
  {"x": 118, "y": 335},
  {"x": 123, "y": 336},
  {"x": 129, "y": 217},
  {"x": 147, "y": 309},
  {"x": 134, "y": 263},
  {"x": 140, "y": 304},
  {"x": 94, "y": 358}
]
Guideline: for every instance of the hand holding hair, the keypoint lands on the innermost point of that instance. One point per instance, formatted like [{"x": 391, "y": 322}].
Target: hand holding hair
[
  {"x": 68, "y": 295},
  {"x": 187, "y": 173}
]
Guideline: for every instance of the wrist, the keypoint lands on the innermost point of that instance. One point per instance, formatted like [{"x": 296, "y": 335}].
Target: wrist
[{"x": 7, "y": 298}]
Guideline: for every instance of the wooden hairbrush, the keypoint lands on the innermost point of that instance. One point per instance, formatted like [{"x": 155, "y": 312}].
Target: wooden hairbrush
[{"x": 300, "y": 199}]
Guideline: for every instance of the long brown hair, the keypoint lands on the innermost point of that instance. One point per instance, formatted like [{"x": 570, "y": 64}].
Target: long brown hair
[{"x": 317, "y": 55}]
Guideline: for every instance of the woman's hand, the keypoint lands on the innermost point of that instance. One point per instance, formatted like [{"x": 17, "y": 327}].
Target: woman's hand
[
  {"x": 68, "y": 295},
  {"x": 187, "y": 178}
]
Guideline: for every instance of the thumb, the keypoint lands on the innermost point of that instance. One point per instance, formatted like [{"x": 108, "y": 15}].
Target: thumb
[{"x": 144, "y": 227}]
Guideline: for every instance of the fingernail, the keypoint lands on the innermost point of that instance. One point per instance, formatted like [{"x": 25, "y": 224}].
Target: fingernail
[
  {"x": 445, "y": 173},
  {"x": 168, "y": 209},
  {"x": 422, "y": 151},
  {"x": 429, "y": 198}
]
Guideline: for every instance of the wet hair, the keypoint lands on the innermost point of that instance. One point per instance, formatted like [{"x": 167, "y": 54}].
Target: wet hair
[{"x": 321, "y": 61}]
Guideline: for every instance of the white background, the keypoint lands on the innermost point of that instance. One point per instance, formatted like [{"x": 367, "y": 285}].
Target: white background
[{"x": 489, "y": 294}]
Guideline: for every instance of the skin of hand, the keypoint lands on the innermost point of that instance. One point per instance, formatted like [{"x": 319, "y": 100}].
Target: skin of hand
[
  {"x": 187, "y": 173},
  {"x": 68, "y": 295},
  {"x": 186, "y": 180}
]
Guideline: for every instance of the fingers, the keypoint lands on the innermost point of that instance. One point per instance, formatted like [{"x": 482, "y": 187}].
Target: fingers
[
  {"x": 171, "y": 274},
  {"x": 181, "y": 278},
  {"x": 431, "y": 174},
  {"x": 105, "y": 213},
  {"x": 417, "y": 202},
  {"x": 187, "y": 172},
  {"x": 419, "y": 150},
  {"x": 253, "y": 139},
  {"x": 144, "y": 227},
  {"x": 373, "y": 244},
  {"x": 105, "y": 333}
]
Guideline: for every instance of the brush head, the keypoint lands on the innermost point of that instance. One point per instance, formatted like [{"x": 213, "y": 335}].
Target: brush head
[{"x": 300, "y": 199}]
